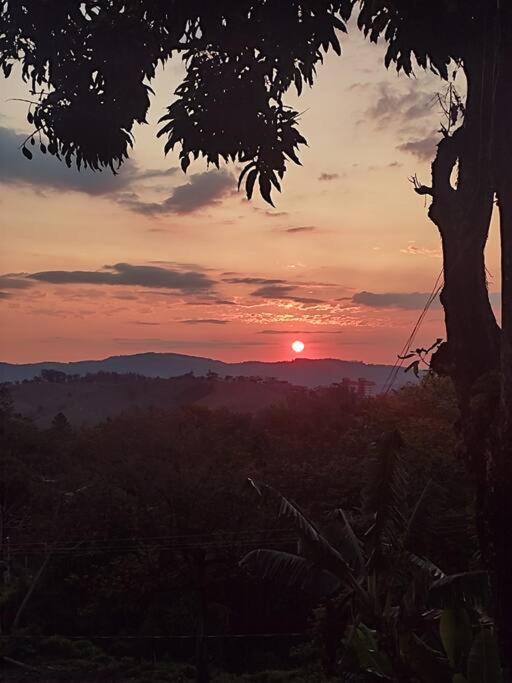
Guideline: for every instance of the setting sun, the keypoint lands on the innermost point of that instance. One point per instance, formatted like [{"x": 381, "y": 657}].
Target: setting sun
[{"x": 298, "y": 346}]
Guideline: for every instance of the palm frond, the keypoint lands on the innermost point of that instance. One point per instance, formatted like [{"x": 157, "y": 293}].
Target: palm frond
[
  {"x": 420, "y": 517},
  {"x": 290, "y": 571},
  {"x": 430, "y": 570},
  {"x": 484, "y": 664},
  {"x": 346, "y": 541},
  {"x": 458, "y": 590},
  {"x": 313, "y": 545},
  {"x": 385, "y": 496}
]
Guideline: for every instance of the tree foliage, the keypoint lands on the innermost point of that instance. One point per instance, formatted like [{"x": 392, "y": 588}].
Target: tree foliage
[{"x": 90, "y": 65}]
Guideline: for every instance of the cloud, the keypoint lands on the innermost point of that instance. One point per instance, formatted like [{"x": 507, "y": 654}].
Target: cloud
[
  {"x": 5, "y": 295},
  {"x": 407, "y": 300},
  {"x": 415, "y": 250},
  {"x": 424, "y": 148},
  {"x": 302, "y": 228},
  {"x": 326, "y": 177},
  {"x": 14, "y": 281},
  {"x": 201, "y": 190},
  {"x": 127, "y": 274},
  {"x": 157, "y": 173},
  {"x": 204, "y": 321},
  {"x": 404, "y": 300},
  {"x": 300, "y": 332},
  {"x": 253, "y": 281},
  {"x": 283, "y": 292},
  {"x": 273, "y": 291},
  {"x": 170, "y": 344},
  {"x": 394, "y": 105},
  {"x": 45, "y": 171},
  {"x": 274, "y": 214}
]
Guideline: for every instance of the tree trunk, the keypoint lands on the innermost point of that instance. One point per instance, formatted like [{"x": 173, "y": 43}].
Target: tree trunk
[
  {"x": 500, "y": 472},
  {"x": 461, "y": 209}
]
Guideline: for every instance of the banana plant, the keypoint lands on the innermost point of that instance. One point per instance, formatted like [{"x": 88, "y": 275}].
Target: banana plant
[{"x": 379, "y": 588}]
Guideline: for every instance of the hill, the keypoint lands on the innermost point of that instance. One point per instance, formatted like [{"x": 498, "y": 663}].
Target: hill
[
  {"x": 301, "y": 371},
  {"x": 97, "y": 397}
]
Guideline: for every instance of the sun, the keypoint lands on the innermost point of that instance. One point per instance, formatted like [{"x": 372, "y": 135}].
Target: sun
[{"x": 298, "y": 346}]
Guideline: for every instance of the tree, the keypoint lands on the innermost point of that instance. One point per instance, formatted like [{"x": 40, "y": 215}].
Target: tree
[
  {"x": 89, "y": 64},
  {"x": 375, "y": 587}
]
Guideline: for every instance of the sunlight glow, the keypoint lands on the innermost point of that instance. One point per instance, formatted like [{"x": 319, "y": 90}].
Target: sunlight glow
[{"x": 298, "y": 346}]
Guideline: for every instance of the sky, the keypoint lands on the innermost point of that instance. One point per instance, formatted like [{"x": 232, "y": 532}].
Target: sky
[{"x": 94, "y": 265}]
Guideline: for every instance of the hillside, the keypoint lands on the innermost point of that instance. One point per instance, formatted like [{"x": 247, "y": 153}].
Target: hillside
[
  {"x": 301, "y": 371},
  {"x": 95, "y": 398}
]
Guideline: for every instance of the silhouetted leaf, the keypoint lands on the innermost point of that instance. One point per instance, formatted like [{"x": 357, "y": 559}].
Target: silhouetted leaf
[{"x": 484, "y": 659}]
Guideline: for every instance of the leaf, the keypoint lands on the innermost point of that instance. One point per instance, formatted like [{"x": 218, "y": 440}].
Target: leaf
[
  {"x": 484, "y": 659},
  {"x": 249, "y": 183},
  {"x": 368, "y": 655},
  {"x": 348, "y": 544},
  {"x": 26, "y": 152},
  {"x": 456, "y": 635},
  {"x": 265, "y": 189},
  {"x": 385, "y": 496},
  {"x": 414, "y": 366},
  {"x": 429, "y": 664},
  {"x": 245, "y": 170},
  {"x": 185, "y": 162},
  {"x": 457, "y": 590},
  {"x": 419, "y": 517},
  {"x": 315, "y": 547},
  {"x": 290, "y": 571},
  {"x": 426, "y": 565}
]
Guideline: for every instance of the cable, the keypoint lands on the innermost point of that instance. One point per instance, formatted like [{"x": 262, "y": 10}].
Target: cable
[{"x": 393, "y": 374}]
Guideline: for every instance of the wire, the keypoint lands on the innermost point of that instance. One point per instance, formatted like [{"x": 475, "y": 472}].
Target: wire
[
  {"x": 173, "y": 637},
  {"x": 393, "y": 374}
]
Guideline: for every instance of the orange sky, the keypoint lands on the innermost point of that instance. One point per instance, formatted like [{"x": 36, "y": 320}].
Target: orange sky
[{"x": 152, "y": 260}]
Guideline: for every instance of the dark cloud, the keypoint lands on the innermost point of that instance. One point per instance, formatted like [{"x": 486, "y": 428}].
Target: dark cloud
[
  {"x": 157, "y": 173},
  {"x": 45, "y": 171},
  {"x": 202, "y": 190},
  {"x": 300, "y": 332},
  {"x": 302, "y": 228},
  {"x": 283, "y": 292},
  {"x": 253, "y": 281},
  {"x": 326, "y": 177},
  {"x": 305, "y": 300},
  {"x": 274, "y": 291},
  {"x": 405, "y": 300},
  {"x": 144, "y": 322},
  {"x": 13, "y": 281},
  {"x": 394, "y": 105},
  {"x": 424, "y": 148},
  {"x": 211, "y": 302},
  {"x": 127, "y": 274},
  {"x": 171, "y": 344},
  {"x": 5, "y": 295},
  {"x": 204, "y": 321}
]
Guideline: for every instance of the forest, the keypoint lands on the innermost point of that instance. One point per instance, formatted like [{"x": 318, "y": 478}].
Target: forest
[{"x": 177, "y": 544}]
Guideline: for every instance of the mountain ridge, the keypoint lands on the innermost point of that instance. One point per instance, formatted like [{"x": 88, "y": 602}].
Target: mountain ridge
[{"x": 309, "y": 372}]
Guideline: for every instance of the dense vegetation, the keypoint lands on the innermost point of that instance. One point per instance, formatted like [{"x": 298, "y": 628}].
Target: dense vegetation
[{"x": 135, "y": 527}]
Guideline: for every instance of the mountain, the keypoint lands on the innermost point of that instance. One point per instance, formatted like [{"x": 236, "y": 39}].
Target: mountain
[{"x": 301, "y": 371}]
